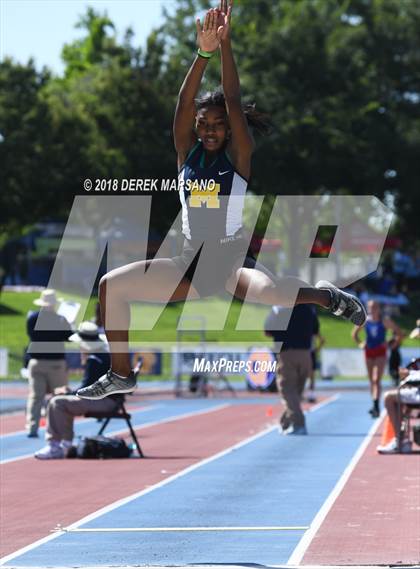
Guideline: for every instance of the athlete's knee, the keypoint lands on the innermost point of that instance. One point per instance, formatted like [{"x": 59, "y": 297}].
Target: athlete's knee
[
  {"x": 267, "y": 291},
  {"x": 56, "y": 405},
  {"x": 108, "y": 279},
  {"x": 108, "y": 284},
  {"x": 117, "y": 275},
  {"x": 103, "y": 285},
  {"x": 390, "y": 398}
]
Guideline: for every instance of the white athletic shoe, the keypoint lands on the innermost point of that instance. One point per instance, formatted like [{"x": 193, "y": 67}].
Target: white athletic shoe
[
  {"x": 392, "y": 447},
  {"x": 344, "y": 304},
  {"x": 52, "y": 450},
  {"x": 292, "y": 430},
  {"x": 311, "y": 397},
  {"x": 109, "y": 384}
]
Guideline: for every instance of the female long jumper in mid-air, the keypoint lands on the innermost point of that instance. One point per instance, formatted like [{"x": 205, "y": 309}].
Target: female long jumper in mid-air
[{"x": 213, "y": 142}]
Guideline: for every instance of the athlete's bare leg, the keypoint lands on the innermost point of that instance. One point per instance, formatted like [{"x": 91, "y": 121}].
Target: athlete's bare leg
[
  {"x": 370, "y": 366},
  {"x": 260, "y": 286},
  {"x": 162, "y": 282},
  {"x": 312, "y": 380},
  {"x": 391, "y": 405},
  {"x": 375, "y": 367}
]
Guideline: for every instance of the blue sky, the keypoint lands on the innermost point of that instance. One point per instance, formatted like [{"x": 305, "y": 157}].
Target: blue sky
[{"x": 39, "y": 28}]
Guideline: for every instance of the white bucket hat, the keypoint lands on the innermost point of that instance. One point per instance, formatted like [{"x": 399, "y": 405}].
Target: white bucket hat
[
  {"x": 47, "y": 298},
  {"x": 88, "y": 337}
]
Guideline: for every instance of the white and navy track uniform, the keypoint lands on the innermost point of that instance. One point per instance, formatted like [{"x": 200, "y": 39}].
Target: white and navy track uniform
[
  {"x": 212, "y": 200},
  {"x": 212, "y": 197}
]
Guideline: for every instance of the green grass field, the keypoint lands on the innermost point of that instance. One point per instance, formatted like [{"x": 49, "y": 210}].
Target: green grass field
[{"x": 14, "y": 307}]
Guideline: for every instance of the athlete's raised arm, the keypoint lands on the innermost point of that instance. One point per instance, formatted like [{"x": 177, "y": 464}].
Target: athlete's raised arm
[
  {"x": 355, "y": 335},
  {"x": 208, "y": 40},
  {"x": 241, "y": 144}
]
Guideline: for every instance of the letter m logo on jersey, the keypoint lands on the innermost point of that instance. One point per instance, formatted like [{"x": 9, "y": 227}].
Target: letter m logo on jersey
[{"x": 205, "y": 192}]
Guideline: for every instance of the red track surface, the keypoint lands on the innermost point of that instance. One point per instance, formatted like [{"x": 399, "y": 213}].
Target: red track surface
[
  {"x": 13, "y": 390},
  {"x": 38, "y": 495},
  {"x": 12, "y": 423},
  {"x": 376, "y": 518},
  {"x": 15, "y": 421}
]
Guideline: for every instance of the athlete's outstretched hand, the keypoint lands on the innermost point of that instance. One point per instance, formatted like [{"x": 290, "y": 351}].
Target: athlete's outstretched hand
[
  {"x": 210, "y": 34},
  {"x": 224, "y": 16}
]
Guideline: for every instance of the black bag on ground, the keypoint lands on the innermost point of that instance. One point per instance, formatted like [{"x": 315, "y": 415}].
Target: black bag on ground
[
  {"x": 102, "y": 447},
  {"x": 416, "y": 434},
  {"x": 197, "y": 380}
]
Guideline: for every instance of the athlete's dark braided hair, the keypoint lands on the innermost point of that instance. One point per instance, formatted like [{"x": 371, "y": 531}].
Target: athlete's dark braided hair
[{"x": 259, "y": 121}]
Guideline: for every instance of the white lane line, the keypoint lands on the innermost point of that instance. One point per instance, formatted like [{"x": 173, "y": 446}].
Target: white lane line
[
  {"x": 322, "y": 404},
  {"x": 136, "y": 428},
  {"x": 20, "y": 457},
  {"x": 11, "y": 413},
  {"x": 183, "y": 529},
  {"x": 153, "y": 423},
  {"x": 160, "y": 484},
  {"x": 126, "y": 500},
  {"x": 302, "y": 546}
]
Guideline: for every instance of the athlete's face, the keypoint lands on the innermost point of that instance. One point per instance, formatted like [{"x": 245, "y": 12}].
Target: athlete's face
[
  {"x": 212, "y": 127},
  {"x": 374, "y": 309}
]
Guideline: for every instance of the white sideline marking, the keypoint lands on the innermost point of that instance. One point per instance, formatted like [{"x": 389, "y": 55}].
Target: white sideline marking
[
  {"x": 20, "y": 457},
  {"x": 126, "y": 500},
  {"x": 323, "y": 403},
  {"x": 302, "y": 546},
  {"x": 186, "y": 529},
  {"x": 143, "y": 426}
]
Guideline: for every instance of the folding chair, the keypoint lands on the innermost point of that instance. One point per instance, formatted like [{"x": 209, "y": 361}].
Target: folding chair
[{"x": 118, "y": 413}]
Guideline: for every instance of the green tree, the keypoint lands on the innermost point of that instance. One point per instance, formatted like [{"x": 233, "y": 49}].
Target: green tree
[
  {"x": 339, "y": 78},
  {"x": 24, "y": 141},
  {"x": 98, "y": 47},
  {"x": 107, "y": 117},
  {"x": 341, "y": 82}
]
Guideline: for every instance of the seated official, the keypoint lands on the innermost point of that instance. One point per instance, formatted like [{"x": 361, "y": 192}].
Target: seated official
[
  {"x": 409, "y": 395},
  {"x": 65, "y": 405},
  {"x": 415, "y": 333}
]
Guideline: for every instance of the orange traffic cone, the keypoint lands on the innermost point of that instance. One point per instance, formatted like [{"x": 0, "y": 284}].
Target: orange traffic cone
[
  {"x": 388, "y": 432},
  {"x": 269, "y": 412}
]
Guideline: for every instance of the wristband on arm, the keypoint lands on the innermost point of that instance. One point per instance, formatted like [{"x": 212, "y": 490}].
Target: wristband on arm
[{"x": 205, "y": 54}]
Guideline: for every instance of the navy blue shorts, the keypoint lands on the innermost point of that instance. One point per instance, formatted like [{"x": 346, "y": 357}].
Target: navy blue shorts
[{"x": 220, "y": 258}]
